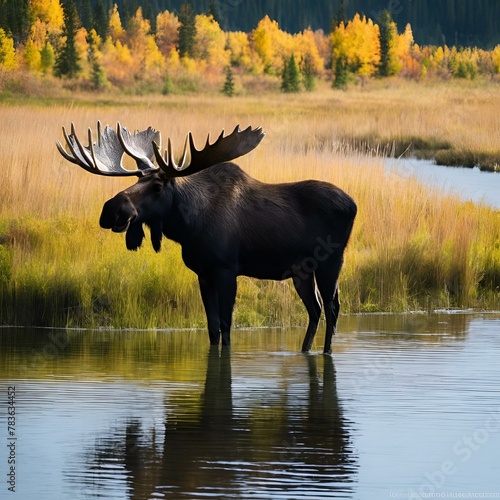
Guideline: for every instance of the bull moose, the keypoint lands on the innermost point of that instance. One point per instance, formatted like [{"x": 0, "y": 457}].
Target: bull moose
[{"x": 227, "y": 223}]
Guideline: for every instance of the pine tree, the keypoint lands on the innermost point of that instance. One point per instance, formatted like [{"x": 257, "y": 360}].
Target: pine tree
[
  {"x": 294, "y": 75},
  {"x": 47, "y": 58},
  {"x": 85, "y": 14},
  {"x": 228, "y": 88},
  {"x": 100, "y": 18},
  {"x": 387, "y": 35},
  {"x": 340, "y": 16},
  {"x": 31, "y": 56},
  {"x": 187, "y": 30},
  {"x": 15, "y": 19},
  {"x": 290, "y": 78},
  {"x": 168, "y": 86},
  {"x": 285, "y": 78},
  {"x": 308, "y": 78},
  {"x": 341, "y": 73},
  {"x": 213, "y": 10},
  {"x": 97, "y": 73},
  {"x": 128, "y": 9},
  {"x": 150, "y": 15},
  {"x": 67, "y": 62}
]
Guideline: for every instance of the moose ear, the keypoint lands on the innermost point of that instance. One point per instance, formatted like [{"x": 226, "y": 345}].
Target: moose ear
[
  {"x": 135, "y": 235},
  {"x": 156, "y": 235}
]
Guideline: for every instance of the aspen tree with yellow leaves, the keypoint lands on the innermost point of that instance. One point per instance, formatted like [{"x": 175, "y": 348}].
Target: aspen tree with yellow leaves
[
  {"x": 7, "y": 51},
  {"x": 210, "y": 43},
  {"x": 356, "y": 49},
  {"x": 44, "y": 34},
  {"x": 147, "y": 58},
  {"x": 38, "y": 53},
  {"x": 495, "y": 55},
  {"x": 305, "y": 49},
  {"x": 117, "y": 61},
  {"x": 31, "y": 56},
  {"x": 50, "y": 13},
  {"x": 167, "y": 32},
  {"x": 115, "y": 28},
  {"x": 363, "y": 46},
  {"x": 269, "y": 41},
  {"x": 241, "y": 53}
]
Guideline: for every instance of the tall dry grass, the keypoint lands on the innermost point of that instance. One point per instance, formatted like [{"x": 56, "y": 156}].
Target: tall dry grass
[{"x": 412, "y": 247}]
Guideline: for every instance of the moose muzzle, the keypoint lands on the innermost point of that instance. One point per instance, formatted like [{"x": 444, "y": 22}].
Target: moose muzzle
[{"x": 117, "y": 214}]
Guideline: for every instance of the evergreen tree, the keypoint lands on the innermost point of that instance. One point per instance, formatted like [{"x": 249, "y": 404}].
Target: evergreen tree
[
  {"x": 290, "y": 78},
  {"x": 308, "y": 74},
  {"x": 47, "y": 58},
  {"x": 294, "y": 75},
  {"x": 341, "y": 73},
  {"x": 228, "y": 88},
  {"x": 340, "y": 16},
  {"x": 15, "y": 19},
  {"x": 387, "y": 36},
  {"x": 97, "y": 73},
  {"x": 285, "y": 78},
  {"x": 85, "y": 14},
  {"x": 168, "y": 86},
  {"x": 128, "y": 10},
  {"x": 67, "y": 61},
  {"x": 100, "y": 18},
  {"x": 150, "y": 15},
  {"x": 213, "y": 10},
  {"x": 187, "y": 30}
]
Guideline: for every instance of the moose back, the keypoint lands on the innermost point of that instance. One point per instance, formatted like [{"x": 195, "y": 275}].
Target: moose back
[{"x": 227, "y": 223}]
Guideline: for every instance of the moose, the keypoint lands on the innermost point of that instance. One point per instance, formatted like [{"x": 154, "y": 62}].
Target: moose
[{"x": 227, "y": 223}]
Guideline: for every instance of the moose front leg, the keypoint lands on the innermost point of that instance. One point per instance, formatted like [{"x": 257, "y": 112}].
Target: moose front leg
[
  {"x": 211, "y": 303},
  {"x": 218, "y": 294}
]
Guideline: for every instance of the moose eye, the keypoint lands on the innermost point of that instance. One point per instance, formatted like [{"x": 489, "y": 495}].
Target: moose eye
[{"x": 157, "y": 187}]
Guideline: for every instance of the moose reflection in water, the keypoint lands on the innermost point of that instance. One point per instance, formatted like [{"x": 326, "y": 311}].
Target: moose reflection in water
[
  {"x": 227, "y": 443},
  {"x": 227, "y": 223}
]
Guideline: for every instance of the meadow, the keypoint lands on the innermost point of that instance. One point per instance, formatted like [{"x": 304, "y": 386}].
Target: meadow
[{"x": 413, "y": 248}]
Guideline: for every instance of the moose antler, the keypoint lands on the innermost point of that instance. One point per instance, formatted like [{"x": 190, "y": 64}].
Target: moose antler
[
  {"x": 236, "y": 144},
  {"x": 104, "y": 158}
]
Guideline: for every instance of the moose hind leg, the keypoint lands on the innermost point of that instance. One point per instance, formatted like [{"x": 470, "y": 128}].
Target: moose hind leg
[
  {"x": 327, "y": 280},
  {"x": 226, "y": 293},
  {"x": 306, "y": 288}
]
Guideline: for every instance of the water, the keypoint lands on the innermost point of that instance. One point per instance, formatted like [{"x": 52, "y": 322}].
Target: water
[
  {"x": 406, "y": 405},
  {"x": 470, "y": 184}
]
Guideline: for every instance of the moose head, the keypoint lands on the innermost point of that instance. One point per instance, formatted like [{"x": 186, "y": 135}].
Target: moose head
[{"x": 150, "y": 198}]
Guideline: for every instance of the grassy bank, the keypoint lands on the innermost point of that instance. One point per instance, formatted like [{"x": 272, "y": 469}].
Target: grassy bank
[
  {"x": 455, "y": 124},
  {"x": 411, "y": 247}
]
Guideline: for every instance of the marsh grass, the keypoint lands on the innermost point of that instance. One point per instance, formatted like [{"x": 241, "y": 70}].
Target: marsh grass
[{"x": 412, "y": 247}]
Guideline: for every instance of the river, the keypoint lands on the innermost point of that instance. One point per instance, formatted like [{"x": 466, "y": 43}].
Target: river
[
  {"x": 470, "y": 184},
  {"x": 406, "y": 406}
]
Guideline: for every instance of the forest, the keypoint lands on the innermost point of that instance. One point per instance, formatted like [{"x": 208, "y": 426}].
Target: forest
[
  {"x": 150, "y": 50},
  {"x": 451, "y": 22}
]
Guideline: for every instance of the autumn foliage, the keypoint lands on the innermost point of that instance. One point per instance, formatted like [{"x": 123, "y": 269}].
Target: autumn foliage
[{"x": 132, "y": 54}]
